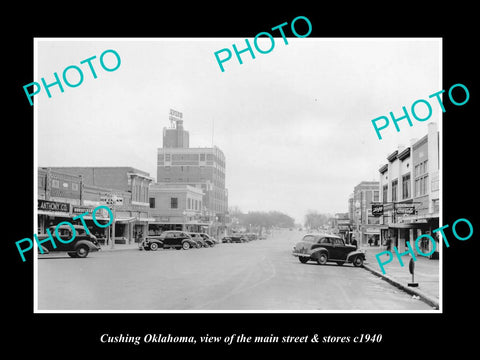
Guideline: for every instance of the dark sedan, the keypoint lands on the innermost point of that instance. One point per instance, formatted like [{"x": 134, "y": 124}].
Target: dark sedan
[
  {"x": 323, "y": 248},
  {"x": 235, "y": 238},
  {"x": 177, "y": 240},
  {"x": 208, "y": 240},
  {"x": 153, "y": 243}
]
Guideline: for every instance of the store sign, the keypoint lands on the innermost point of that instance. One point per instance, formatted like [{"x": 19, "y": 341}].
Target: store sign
[
  {"x": 175, "y": 115},
  {"x": 53, "y": 206},
  {"x": 377, "y": 209},
  {"x": 81, "y": 209},
  {"x": 405, "y": 210},
  {"x": 111, "y": 200}
]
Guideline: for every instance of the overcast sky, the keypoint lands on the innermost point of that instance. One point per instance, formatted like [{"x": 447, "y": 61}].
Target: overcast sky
[{"x": 294, "y": 124}]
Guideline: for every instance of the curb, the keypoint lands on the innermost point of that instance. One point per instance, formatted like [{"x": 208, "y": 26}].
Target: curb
[
  {"x": 117, "y": 248},
  {"x": 412, "y": 291}
]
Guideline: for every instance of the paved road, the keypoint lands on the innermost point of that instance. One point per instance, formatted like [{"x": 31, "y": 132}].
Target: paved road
[{"x": 260, "y": 275}]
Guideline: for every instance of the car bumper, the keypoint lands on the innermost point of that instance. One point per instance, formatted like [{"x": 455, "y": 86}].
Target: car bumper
[{"x": 298, "y": 253}]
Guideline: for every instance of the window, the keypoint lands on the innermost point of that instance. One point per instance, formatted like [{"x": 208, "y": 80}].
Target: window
[
  {"x": 338, "y": 242},
  {"x": 308, "y": 238},
  {"x": 394, "y": 189},
  {"x": 167, "y": 157},
  {"x": 189, "y": 203},
  {"x": 325, "y": 240},
  {"x": 174, "y": 203},
  {"x": 202, "y": 157},
  {"x": 385, "y": 193},
  {"x": 421, "y": 178},
  {"x": 376, "y": 195},
  {"x": 406, "y": 192},
  {"x": 55, "y": 183},
  {"x": 152, "y": 203}
]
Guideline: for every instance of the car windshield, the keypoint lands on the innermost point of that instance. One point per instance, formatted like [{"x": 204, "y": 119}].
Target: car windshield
[{"x": 309, "y": 238}]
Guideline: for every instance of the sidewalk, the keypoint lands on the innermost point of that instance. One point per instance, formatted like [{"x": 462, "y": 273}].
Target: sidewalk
[
  {"x": 118, "y": 247},
  {"x": 426, "y": 274}
]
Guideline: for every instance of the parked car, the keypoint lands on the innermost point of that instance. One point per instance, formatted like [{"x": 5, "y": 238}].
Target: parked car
[
  {"x": 177, "y": 239},
  {"x": 323, "y": 248},
  {"x": 152, "y": 242},
  {"x": 210, "y": 241},
  {"x": 235, "y": 238},
  {"x": 79, "y": 247},
  {"x": 198, "y": 239},
  {"x": 251, "y": 236}
]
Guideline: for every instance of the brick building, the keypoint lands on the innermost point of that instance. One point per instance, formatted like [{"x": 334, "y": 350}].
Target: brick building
[{"x": 126, "y": 188}]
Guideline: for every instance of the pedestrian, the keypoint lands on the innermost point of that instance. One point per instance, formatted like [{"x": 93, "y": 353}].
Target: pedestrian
[
  {"x": 354, "y": 241},
  {"x": 389, "y": 243}
]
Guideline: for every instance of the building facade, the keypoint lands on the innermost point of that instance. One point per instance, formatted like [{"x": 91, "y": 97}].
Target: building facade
[
  {"x": 203, "y": 168},
  {"x": 124, "y": 189},
  {"x": 409, "y": 186},
  {"x": 176, "y": 207},
  {"x": 365, "y": 226},
  {"x": 62, "y": 196}
]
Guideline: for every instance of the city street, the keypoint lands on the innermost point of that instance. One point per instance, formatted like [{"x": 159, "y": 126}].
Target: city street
[{"x": 259, "y": 275}]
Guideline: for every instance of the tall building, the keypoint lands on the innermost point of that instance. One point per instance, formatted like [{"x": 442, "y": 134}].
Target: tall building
[{"x": 203, "y": 168}]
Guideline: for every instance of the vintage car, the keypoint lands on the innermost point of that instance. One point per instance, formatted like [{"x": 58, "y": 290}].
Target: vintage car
[
  {"x": 198, "y": 239},
  {"x": 208, "y": 239},
  {"x": 79, "y": 247},
  {"x": 177, "y": 240},
  {"x": 152, "y": 242},
  {"x": 235, "y": 238},
  {"x": 251, "y": 236},
  {"x": 323, "y": 248}
]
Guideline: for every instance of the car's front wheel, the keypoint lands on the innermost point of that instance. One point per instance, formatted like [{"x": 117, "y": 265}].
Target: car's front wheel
[
  {"x": 186, "y": 245},
  {"x": 82, "y": 251},
  {"x": 322, "y": 259},
  {"x": 358, "y": 261},
  {"x": 154, "y": 246},
  {"x": 303, "y": 259}
]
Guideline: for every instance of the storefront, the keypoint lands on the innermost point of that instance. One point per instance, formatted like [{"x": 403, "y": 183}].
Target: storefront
[{"x": 50, "y": 213}]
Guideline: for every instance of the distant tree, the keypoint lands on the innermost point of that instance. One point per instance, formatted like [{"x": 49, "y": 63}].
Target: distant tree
[
  {"x": 262, "y": 219},
  {"x": 315, "y": 220}
]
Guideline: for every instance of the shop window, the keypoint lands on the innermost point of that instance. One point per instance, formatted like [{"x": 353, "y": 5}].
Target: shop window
[
  {"x": 174, "y": 203},
  {"x": 152, "y": 203}
]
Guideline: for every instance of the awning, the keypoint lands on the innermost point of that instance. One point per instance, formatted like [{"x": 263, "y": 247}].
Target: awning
[
  {"x": 402, "y": 226},
  {"x": 54, "y": 213},
  {"x": 125, "y": 220},
  {"x": 146, "y": 219}
]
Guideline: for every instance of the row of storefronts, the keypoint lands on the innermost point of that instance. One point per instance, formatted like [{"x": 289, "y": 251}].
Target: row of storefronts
[
  {"x": 139, "y": 207},
  {"x": 403, "y": 204}
]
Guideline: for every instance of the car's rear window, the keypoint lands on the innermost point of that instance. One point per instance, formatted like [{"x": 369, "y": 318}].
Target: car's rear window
[{"x": 309, "y": 238}]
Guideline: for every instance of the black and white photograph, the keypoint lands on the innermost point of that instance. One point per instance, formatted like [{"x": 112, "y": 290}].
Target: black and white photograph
[
  {"x": 263, "y": 175},
  {"x": 237, "y": 182}
]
